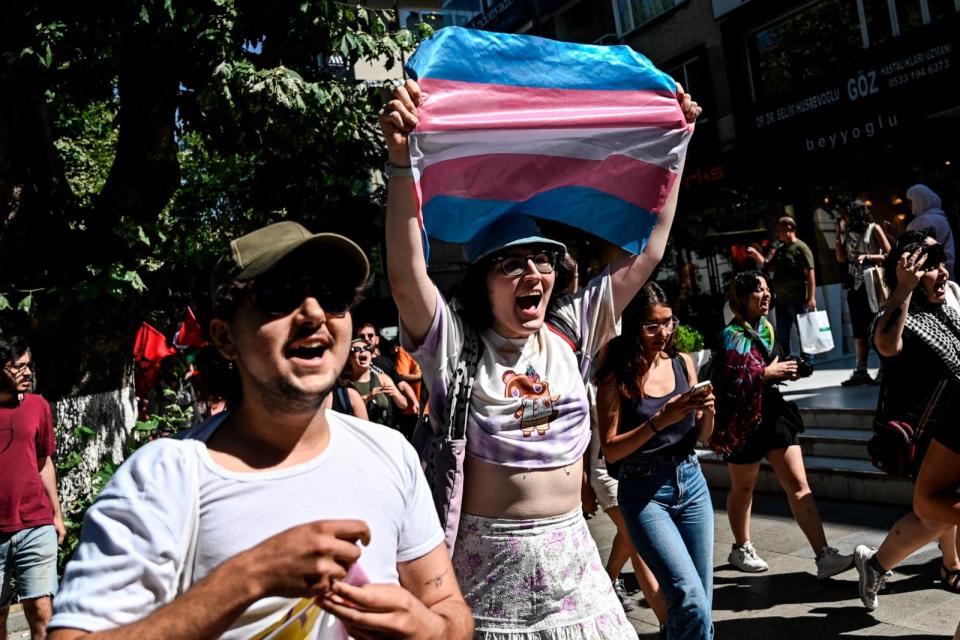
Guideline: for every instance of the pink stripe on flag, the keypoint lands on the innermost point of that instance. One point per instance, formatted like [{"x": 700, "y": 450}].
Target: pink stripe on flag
[
  {"x": 450, "y": 105},
  {"x": 517, "y": 177}
]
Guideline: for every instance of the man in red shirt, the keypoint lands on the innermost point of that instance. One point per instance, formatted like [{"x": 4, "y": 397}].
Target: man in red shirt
[{"x": 31, "y": 525}]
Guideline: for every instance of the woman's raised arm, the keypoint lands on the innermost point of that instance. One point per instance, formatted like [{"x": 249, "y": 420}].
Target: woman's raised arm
[
  {"x": 413, "y": 291},
  {"x": 629, "y": 274}
]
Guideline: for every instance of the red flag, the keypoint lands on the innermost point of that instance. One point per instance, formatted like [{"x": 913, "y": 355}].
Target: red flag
[
  {"x": 189, "y": 334},
  {"x": 149, "y": 348}
]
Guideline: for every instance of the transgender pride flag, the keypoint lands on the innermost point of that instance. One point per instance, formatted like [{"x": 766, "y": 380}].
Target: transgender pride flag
[{"x": 585, "y": 135}]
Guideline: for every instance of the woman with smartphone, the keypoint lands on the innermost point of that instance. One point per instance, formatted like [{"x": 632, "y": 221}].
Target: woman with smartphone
[{"x": 652, "y": 411}]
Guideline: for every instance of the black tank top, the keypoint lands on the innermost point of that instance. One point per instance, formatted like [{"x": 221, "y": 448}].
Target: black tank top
[{"x": 677, "y": 439}]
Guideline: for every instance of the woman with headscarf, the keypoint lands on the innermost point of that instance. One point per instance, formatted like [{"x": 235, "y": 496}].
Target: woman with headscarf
[
  {"x": 918, "y": 339},
  {"x": 928, "y": 213}
]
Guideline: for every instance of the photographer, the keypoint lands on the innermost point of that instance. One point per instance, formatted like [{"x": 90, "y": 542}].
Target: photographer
[
  {"x": 862, "y": 244},
  {"x": 754, "y": 421}
]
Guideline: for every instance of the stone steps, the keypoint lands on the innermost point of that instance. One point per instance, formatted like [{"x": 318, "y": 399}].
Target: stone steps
[
  {"x": 842, "y": 478},
  {"x": 827, "y": 442}
]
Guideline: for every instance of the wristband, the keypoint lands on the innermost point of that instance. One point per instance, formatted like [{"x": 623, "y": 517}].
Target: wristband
[
  {"x": 652, "y": 426},
  {"x": 390, "y": 170}
]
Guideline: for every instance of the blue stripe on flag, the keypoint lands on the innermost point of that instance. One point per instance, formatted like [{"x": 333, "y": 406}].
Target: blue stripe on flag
[
  {"x": 467, "y": 55},
  {"x": 456, "y": 219}
]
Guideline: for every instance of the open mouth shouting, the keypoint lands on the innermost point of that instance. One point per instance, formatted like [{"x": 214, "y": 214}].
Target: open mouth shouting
[
  {"x": 528, "y": 304},
  {"x": 308, "y": 352}
]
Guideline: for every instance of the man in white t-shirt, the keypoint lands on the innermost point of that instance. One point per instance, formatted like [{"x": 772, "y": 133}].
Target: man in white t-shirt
[{"x": 276, "y": 519}]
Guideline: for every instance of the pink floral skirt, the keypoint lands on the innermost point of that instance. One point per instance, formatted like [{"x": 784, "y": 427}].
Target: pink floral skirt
[{"x": 537, "y": 580}]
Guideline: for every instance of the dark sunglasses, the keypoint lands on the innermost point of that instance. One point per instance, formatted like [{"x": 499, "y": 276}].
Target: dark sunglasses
[
  {"x": 279, "y": 296},
  {"x": 514, "y": 265},
  {"x": 358, "y": 348}
]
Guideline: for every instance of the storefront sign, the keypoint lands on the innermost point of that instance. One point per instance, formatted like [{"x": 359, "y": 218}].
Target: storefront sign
[
  {"x": 504, "y": 16},
  {"x": 889, "y": 87}
]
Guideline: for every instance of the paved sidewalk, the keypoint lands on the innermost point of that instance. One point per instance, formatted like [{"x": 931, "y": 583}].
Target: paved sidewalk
[{"x": 788, "y": 602}]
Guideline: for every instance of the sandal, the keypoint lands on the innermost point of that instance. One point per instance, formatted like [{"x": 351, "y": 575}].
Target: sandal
[{"x": 950, "y": 579}]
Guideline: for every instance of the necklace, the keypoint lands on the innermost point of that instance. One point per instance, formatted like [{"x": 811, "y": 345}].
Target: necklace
[{"x": 508, "y": 348}]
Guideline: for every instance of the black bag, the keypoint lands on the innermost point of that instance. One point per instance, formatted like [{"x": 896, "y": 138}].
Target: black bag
[{"x": 897, "y": 448}]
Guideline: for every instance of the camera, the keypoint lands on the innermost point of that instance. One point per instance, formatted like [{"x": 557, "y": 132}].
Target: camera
[{"x": 804, "y": 365}]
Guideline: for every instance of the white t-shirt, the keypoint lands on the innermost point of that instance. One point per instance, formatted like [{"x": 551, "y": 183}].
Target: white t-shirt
[
  {"x": 134, "y": 535},
  {"x": 529, "y": 407}
]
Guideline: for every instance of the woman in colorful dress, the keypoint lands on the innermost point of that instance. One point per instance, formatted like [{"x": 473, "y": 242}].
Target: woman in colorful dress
[{"x": 524, "y": 557}]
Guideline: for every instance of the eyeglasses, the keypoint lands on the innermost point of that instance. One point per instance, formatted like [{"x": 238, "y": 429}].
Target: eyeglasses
[
  {"x": 359, "y": 348},
  {"x": 514, "y": 265},
  {"x": 651, "y": 329},
  {"x": 278, "y": 296}
]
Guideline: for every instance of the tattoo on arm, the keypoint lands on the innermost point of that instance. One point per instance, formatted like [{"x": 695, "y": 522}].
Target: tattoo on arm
[
  {"x": 436, "y": 582},
  {"x": 894, "y": 315}
]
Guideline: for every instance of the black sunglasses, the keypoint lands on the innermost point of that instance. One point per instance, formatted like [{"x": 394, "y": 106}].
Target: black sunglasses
[
  {"x": 359, "y": 348},
  {"x": 279, "y": 296}
]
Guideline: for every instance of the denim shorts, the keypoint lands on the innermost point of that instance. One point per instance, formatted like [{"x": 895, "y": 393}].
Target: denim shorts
[{"x": 30, "y": 555}]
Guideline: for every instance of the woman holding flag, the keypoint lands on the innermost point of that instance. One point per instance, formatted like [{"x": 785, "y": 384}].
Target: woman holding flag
[{"x": 523, "y": 554}]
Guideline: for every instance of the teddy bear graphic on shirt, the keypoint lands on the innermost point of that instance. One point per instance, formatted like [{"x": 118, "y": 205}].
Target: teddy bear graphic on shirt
[{"x": 536, "y": 408}]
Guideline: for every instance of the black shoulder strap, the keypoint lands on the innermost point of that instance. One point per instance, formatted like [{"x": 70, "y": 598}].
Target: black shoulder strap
[
  {"x": 341, "y": 401},
  {"x": 683, "y": 366},
  {"x": 455, "y": 417}
]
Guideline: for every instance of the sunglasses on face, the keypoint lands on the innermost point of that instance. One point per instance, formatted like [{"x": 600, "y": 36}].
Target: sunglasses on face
[
  {"x": 279, "y": 296},
  {"x": 358, "y": 348},
  {"x": 515, "y": 265},
  {"x": 651, "y": 329}
]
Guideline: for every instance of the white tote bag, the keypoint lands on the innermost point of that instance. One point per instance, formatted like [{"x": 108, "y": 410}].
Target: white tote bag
[{"x": 815, "y": 334}]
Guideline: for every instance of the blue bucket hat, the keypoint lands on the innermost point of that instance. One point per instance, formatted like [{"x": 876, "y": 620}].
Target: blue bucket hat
[{"x": 511, "y": 230}]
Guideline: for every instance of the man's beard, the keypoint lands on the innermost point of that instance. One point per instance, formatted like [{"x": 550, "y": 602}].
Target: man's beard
[{"x": 280, "y": 396}]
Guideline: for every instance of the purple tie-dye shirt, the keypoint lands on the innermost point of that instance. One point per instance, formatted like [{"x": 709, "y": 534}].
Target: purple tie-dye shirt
[{"x": 529, "y": 407}]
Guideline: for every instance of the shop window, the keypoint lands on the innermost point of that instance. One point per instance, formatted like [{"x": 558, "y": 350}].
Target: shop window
[
  {"x": 811, "y": 43},
  {"x": 942, "y": 8},
  {"x": 694, "y": 75},
  {"x": 876, "y": 13},
  {"x": 909, "y": 15},
  {"x": 634, "y": 13}
]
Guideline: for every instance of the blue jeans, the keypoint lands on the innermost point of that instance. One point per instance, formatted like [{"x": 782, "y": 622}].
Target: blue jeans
[
  {"x": 30, "y": 554},
  {"x": 666, "y": 504},
  {"x": 787, "y": 313}
]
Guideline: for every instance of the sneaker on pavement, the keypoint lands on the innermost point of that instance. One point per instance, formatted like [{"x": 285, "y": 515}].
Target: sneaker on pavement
[
  {"x": 830, "y": 563},
  {"x": 745, "y": 558},
  {"x": 625, "y": 601},
  {"x": 871, "y": 580},
  {"x": 857, "y": 378}
]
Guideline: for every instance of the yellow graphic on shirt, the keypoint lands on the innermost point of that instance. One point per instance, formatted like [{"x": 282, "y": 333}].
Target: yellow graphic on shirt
[
  {"x": 536, "y": 404},
  {"x": 296, "y": 624}
]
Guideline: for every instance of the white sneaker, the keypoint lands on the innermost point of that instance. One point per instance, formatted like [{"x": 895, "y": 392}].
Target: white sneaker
[
  {"x": 625, "y": 601},
  {"x": 745, "y": 558},
  {"x": 830, "y": 563},
  {"x": 871, "y": 580}
]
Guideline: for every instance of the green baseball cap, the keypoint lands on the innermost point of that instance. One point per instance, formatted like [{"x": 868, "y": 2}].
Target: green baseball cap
[{"x": 258, "y": 252}]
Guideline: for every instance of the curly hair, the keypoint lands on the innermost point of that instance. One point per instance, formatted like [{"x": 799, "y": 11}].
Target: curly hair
[
  {"x": 473, "y": 300},
  {"x": 625, "y": 359}
]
